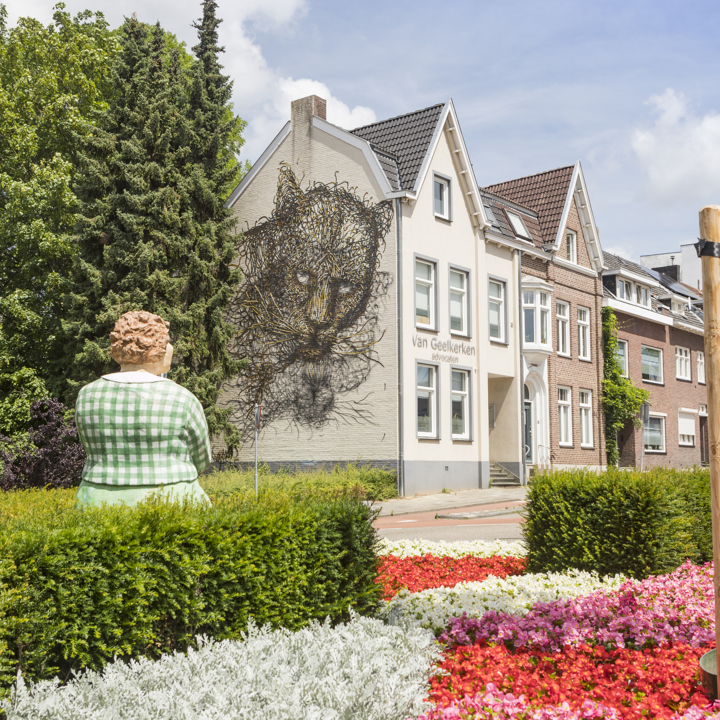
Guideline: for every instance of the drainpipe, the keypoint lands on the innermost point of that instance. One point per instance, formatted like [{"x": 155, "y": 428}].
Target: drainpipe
[
  {"x": 401, "y": 440},
  {"x": 522, "y": 365}
]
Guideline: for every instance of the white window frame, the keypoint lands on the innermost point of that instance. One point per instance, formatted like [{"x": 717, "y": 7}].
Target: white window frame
[
  {"x": 661, "y": 381},
  {"x": 500, "y": 302},
  {"x": 443, "y": 182},
  {"x": 700, "y": 366},
  {"x": 682, "y": 363},
  {"x": 432, "y": 294},
  {"x": 518, "y": 226},
  {"x": 571, "y": 246},
  {"x": 624, "y": 289},
  {"x": 624, "y": 370},
  {"x": 565, "y": 408},
  {"x": 563, "y": 328},
  {"x": 661, "y": 418},
  {"x": 464, "y": 396},
  {"x": 642, "y": 295},
  {"x": 432, "y": 391},
  {"x": 584, "y": 336},
  {"x": 586, "y": 419},
  {"x": 685, "y": 439},
  {"x": 539, "y": 302},
  {"x": 464, "y": 304}
]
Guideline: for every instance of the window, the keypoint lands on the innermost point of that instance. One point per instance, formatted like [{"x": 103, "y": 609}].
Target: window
[
  {"x": 565, "y": 415},
  {"x": 652, "y": 365},
  {"x": 518, "y": 225},
  {"x": 562, "y": 310},
  {"x": 571, "y": 246},
  {"x": 702, "y": 409},
  {"x": 459, "y": 400},
  {"x": 682, "y": 363},
  {"x": 654, "y": 434},
  {"x": 622, "y": 355},
  {"x": 686, "y": 428},
  {"x": 642, "y": 295},
  {"x": 586, "y": 428},
  {"x": 496, "y": 305},
  {"x": 701, "y": 367},
  {"x": 426, "y": 401},
  {"x": 442, "y": 197},
  {"x": 458, "y": 302},
  {"x": 425, "y": 293},
  {"x": 584, "y": 333},
  {"x": 536, "y": 317},
  {"x": 624, "y": 290},
  {"x": 677, "y": 307}
]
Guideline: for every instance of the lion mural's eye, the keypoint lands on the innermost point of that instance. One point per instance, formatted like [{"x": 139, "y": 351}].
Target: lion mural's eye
[
  {"x": 302, "y": 277},
  {"x": 344, "y": 288}
]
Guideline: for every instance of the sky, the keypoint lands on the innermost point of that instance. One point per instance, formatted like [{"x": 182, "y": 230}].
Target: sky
[{"x": 630, "y": 88}]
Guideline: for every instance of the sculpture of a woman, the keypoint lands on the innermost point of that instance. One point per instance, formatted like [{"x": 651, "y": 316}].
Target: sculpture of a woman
[{"x": 142, "y": 433}]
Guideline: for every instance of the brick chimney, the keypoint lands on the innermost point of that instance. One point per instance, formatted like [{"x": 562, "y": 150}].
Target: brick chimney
[{"x": 302, "y": 110}]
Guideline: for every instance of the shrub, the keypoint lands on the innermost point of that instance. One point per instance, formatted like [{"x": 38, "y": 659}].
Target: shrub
[
  {"x": 618, "y": 522},
  {"x": 49, "y": 456},
  {"x": 370, "y": 483},
  {"x": 363, "y": 670},
  {"x": 79, "y": 587}
]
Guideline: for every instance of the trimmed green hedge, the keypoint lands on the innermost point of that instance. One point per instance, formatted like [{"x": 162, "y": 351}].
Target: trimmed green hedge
[
  {"x": 79, "y": 587},
  {"x": 623, "y": 521}
]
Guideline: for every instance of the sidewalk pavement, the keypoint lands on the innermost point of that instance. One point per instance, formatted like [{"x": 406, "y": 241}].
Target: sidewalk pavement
[
  {"x": 463, "y": 515},
  {"x": 446, "y": 501}
]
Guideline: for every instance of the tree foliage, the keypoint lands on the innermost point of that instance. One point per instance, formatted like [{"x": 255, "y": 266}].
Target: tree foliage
[
  {"x": 153, "y": 232},
  {"x": 621, "y": 399},
  {"x": 52, "y": 80}
]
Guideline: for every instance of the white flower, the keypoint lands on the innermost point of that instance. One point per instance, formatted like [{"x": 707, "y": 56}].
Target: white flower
[
  {"x": 462, "y": 548},
  {"x": 515, "y": 595},
  {"x": 364, "y": 670}
]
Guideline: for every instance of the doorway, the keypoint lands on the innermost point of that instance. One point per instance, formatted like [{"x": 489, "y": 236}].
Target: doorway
[{"x": 527, "y": 427}]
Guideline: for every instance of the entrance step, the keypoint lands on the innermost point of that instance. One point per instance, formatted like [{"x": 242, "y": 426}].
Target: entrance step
[{"x": 500, "y": 477}]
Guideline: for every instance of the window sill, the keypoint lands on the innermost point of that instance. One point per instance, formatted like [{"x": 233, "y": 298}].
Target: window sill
[
  {"x": 653, "y": 382},
  {"x": 455, "y": 333},
  {"x": 687, "y": 380},
  {"x": 443, "y": 219},
  {"x": 587, "y": 447},
  {"x": 566, "y": 445},
  {"x": 564, "y": 355},
  {"x": 462, "y": 440},
  {"x": 495, "y": 341},
  {"x": 684, "y": 445},
  {"x": 656, "y": 452},
  {"x": 587, "y": 360},
  {"x": 432, "y": 438},
  {"x": 426, "y": 328}
]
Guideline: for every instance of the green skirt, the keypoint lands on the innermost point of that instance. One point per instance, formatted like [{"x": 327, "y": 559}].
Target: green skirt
[{"x": 92, "y": 494}]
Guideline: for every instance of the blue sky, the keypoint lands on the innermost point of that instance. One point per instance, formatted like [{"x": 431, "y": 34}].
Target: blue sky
[{"x": 629, "y": 88}]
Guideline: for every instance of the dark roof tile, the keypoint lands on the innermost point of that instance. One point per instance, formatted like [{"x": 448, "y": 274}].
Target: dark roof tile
[
  {"x": 407, "y": 137},
  {"x": 545, "y": 193}
]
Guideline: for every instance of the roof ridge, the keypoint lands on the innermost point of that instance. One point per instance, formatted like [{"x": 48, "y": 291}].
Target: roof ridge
[
  {"x": 527, "y": 177},
  {"x": 397, "y": 117}
]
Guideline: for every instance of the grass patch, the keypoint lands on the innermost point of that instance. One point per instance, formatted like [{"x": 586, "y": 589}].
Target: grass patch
[{"x": 364, "y": 481}]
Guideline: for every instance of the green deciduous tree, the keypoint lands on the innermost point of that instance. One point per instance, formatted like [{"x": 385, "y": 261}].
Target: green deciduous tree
[
  {"x": 52, "y": 80},
  {"x": 153, "y": 231},
  {"x": 621, "y": 399}
]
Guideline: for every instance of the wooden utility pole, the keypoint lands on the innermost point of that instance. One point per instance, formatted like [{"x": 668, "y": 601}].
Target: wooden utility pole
[{"x": 709, "y": 251}]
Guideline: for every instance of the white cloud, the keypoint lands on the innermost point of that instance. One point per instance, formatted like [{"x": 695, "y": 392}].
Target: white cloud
[
  {"x": 621, "y": 251},
  {"x": 681, "y": 153},
  {"x": 261, "y": 94}
]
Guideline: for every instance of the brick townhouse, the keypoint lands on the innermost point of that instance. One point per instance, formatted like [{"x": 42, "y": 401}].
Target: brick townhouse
[
  {"x": 660, "y": 331},
  {"x": 561, "y": 305}
]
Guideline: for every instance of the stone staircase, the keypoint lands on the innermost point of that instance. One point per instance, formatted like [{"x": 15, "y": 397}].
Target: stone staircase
[{"x": 500, "y": 477}]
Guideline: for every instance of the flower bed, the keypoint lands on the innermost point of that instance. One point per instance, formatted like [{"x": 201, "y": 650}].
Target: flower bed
[
  {"x": 461, "y": 548},
  {"x": 420, "y": 573}
]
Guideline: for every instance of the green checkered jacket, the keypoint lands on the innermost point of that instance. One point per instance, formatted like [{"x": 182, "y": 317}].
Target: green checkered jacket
[{"x": 150, "y": 433}]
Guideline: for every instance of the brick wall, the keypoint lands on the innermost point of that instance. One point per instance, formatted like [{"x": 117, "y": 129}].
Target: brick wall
[{"x": 666, "y": 397}]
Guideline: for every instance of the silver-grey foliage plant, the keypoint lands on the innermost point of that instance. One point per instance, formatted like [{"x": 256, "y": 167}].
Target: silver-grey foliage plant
[{"x": 361, "y": 670}]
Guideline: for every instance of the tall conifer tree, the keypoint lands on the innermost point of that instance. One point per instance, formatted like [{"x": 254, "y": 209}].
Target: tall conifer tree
[{"x": 154, "y": 233}]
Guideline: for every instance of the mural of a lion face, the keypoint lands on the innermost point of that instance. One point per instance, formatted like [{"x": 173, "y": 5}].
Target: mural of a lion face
[{"x": 307, "y": 310}]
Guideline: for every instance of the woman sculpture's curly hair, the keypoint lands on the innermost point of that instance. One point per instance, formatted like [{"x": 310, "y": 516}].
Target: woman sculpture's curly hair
[{"x": 139, "y": 337}]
